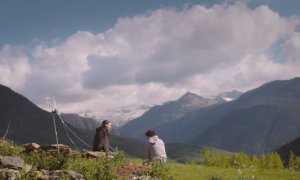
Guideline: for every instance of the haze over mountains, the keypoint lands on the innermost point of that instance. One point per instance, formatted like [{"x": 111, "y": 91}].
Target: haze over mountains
[
  {"x": 121, "y": 116},
  {"x": 175, "y": 114},
  {"x": 259, "y": 121},
  {"x": 25, "y": 122},
  {"x": 81, "y": 122}
]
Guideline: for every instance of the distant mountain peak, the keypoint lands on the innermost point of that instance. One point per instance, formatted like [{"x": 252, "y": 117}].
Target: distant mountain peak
[
  {"x": 188, "y": 96},
  {"x": 192, "y": 101},
  {"x": 229, "y": 96}
]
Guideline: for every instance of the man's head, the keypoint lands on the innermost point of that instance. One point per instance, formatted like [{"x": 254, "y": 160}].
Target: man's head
[
  {"x": 106, "y": 124},
  {"x": 150, "y": 133}
]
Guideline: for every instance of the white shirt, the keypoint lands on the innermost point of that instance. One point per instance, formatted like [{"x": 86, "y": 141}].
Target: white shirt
[{"x": 155, "y": 149}]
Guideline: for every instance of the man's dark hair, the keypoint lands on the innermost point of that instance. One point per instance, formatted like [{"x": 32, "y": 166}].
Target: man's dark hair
[
  {"x": 150, "y": 133},
  {"x": 104, "y": 122}
]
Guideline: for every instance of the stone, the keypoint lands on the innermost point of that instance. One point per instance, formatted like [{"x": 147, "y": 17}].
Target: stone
[
  {"x": 9, "y": 174},
  {"x": 53, "y": 148},
  {"x": 35, "y": 175},
  {"x": 14, "y": 163},
  {"x": 61, "y": 174},
  {"x": 31, "y": 146},
  {"x": 74, "y": 174},
  {"x": 93, "y": 154}
]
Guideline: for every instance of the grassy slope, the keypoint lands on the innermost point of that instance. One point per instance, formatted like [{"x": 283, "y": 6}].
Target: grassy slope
[
  {"x": 176, "y": 170},
  {"x": 198, "y": 172},
  {"x": 184, "y": 153}
]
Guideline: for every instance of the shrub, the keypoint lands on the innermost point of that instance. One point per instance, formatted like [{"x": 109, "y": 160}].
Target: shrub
[
  {"x": 294, "y": 161},
  {"x": 242, "y": 160},
  {"x": 158, "y": 170},
  {"x": 9, "y": 149},
  {"x": 43, "y": 160}
]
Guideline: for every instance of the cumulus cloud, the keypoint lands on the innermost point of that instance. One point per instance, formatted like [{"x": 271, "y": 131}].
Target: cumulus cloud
[
  {"x": 167, "y": 46},
  {"x": 250, "y": 72},
  {"x": 155, "y": 57},
  {"x": 291, "y": 49},
  {"x": 14, "y": 67}
]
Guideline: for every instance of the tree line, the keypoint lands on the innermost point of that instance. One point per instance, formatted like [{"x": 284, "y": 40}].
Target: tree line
[{"x": 241, "y": 160}]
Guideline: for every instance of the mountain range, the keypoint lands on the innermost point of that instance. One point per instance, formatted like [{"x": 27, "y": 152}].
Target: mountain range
[
  {"x": 21, "y": 121},
  {"x": 81, "y": 122},
  {"x": 160, "y": 115},
  {"x": 259, "y": 121},
  {"x": 120, "y": 116}
]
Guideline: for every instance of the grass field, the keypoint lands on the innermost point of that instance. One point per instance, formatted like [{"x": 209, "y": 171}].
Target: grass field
[
  {"x": 198, "y": 172},
  {"x": 124, "y": 167}
]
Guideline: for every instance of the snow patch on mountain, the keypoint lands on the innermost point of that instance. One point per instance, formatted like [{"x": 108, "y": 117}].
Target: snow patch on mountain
[
  {"x": 119, "y": 117},
  {"x": 229, "y": 96}
]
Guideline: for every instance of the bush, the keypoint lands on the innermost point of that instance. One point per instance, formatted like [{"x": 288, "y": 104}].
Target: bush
[
  {"x": 242, "y": 160},
  {"x": 158, "y": 170},
  {"x": 43, "y": 160},
  {"x": 294, "y": 161},
  {"x": 9, "y": 149}
]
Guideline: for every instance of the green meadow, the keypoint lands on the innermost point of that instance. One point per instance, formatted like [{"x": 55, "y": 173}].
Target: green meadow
[
  {"x": 213, "y": 165},
  {"x": 198, "y": 172}
]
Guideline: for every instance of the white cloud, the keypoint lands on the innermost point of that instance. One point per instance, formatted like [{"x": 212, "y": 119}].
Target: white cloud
[
  {"x": 292, "y": 49},
  {"x": 251, "y": 72},
  {"x": 14, "y": 67},
  {"x": 155, "y": 57},
  {"x": 167, "y": 46}
]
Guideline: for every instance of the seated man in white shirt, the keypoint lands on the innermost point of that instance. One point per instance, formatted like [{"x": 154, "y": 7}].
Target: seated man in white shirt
[{"x": 155, "y": 148}]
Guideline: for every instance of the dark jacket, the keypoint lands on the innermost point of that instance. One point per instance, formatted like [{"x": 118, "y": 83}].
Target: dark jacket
[{"x": 101, "y": 142}]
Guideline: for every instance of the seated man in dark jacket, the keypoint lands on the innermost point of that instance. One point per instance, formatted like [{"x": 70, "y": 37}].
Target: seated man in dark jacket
[{"x": 101, "y": 141}]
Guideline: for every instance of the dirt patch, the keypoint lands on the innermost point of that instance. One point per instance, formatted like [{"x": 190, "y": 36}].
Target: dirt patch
[{"x": 131, "y": 169}]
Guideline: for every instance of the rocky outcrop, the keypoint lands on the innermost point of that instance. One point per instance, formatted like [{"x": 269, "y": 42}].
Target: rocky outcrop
[
  {"x": 92, "y": 154},
  {"x": 31, "y": 146},
  {"x": 10, "y": 167},
  {"x": 59, "y": 174},
  {"x": 15, "y": 163},
  {"x": 9, "y": 174},
  {"x": 53, "y": 148}
]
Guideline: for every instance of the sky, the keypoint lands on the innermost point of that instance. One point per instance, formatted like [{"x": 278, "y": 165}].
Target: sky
[{"x": 96, "y": 56}]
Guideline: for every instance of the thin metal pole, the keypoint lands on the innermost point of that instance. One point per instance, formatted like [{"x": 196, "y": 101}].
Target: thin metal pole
[
  {"x": 6, "y": 130},
  {"x": 55, "y": 131}
]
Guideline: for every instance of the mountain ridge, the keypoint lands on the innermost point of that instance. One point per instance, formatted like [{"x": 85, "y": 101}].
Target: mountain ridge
[
  {"x": 166, "y": 113},
  {"x": 260, "y": 121}
]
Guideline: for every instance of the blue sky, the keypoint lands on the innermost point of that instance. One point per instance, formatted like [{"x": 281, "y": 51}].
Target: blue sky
[
  {"x": 23, "y": 22},
  {"x": 98, "y": 56}
]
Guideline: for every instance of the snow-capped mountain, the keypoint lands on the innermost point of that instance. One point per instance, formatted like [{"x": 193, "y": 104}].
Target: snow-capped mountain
[
  {"x": 121, "y": 116},
  {"x": 229, "y": 96},
  {"x": 87, "y": 114},
  {"x": 81, "y": 122},
  {"x": 193, "y": 101}
]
